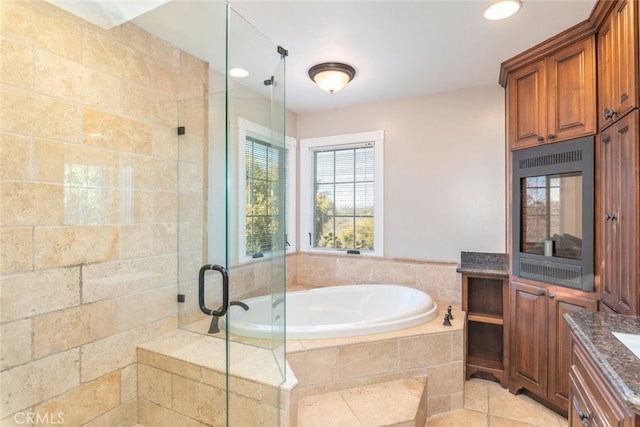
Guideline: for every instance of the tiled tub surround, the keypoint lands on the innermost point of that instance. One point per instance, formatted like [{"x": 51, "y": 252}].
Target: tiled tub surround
[
  {"x": 88, "y": 209},
  {"x": 619, "y": 365},
  {"x": 429, "y": 354}
]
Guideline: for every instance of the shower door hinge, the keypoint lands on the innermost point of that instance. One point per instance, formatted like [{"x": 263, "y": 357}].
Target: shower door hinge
[
  {"x": 181, "y": 298},
  {"x": 270, "y": 81},
  {"x": 181, "y": 130},
  {"x": 283, "y": 52}
]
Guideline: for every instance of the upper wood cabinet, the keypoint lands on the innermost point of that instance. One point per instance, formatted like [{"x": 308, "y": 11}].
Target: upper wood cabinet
[
  {"x": 553, "y": 99},
  {"x": 617, "y": 46}
]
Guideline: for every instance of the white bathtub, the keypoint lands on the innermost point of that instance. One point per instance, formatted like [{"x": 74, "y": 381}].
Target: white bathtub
[{"x": 336, "y": 311}]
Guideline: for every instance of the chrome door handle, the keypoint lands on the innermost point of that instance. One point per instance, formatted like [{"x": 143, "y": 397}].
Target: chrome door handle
[{"x": 225, "y": 290}]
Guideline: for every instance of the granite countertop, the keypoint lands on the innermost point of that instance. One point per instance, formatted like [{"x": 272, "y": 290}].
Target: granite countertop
[
  {"x": 618, "y": 364},
  {"x": 483, "y": 263}
]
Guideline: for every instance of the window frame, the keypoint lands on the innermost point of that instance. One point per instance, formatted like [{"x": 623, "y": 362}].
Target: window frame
[
  {"x": 254, "y": 130},
  {"x": 306, "y": 207}
]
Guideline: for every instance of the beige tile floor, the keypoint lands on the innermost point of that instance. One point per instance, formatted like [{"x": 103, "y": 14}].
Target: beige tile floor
[{"x": 486, "y": 404}]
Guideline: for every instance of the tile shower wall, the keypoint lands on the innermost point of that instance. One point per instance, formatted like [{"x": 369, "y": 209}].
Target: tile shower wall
[{"x": 88, "y": 210}]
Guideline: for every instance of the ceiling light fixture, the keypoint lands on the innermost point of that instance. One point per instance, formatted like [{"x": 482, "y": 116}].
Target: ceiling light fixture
[
  {"x": 332, "y": 76},
  {"x": 238, "y": 73},
  {"x": 502, "y": 9}
]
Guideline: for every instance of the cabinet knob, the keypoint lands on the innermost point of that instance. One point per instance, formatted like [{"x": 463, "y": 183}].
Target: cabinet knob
[
  {"x": 550, "y": 136},
  {"x": 610, "y": 217},
  {"x": 540, "y": 292},
  {"x": 608, "y": 114},
  {"x": 551, "y": 296},
  {"x": 540, "y": 138}
]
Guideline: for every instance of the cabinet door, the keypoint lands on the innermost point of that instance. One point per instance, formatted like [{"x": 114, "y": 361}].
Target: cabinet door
[
  {"x": 620, "y": 186},
  {"x": 528, "y": 341},
  {"x": 571, "y": 92},
  {"x": 561, "y": 303},
  {"x": 618, "y": 70},
  {"x": 526, "y": 106}
]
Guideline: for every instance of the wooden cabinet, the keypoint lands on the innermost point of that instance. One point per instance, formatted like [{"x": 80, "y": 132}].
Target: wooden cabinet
[
  {"x": 593, "y": 402},
  {"x": 618, "y": 214},
  {"x": 553, "y": 99},
  {"x": 540, "y": 339},
  {"x": 485, "y": 300},
  {"x": 618, "y": 69}
]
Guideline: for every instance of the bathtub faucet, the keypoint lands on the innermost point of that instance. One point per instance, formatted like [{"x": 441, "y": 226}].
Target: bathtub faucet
[
  {"x": 213, "y": 327},
  {"x": 277, "y": 302}
]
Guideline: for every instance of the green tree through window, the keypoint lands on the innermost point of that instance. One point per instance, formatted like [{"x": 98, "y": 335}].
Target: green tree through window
[{"x": 264, "y": 191}]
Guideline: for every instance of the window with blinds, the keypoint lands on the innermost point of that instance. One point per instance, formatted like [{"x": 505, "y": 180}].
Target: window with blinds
[
  {"x": 344, "y": 193},
  {"x": 264, "y": 196}
]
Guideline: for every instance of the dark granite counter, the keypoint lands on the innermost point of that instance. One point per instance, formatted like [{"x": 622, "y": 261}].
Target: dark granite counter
[
  {"x": 483, "y": 263},
  {"x": 618, "y": 364}
]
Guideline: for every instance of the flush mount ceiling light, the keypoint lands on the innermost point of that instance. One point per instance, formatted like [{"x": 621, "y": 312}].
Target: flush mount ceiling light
[
  {"x": 238, "y": 73},
  {"x": 332, "y": 76},
  {"x": 502, "y": 9}
]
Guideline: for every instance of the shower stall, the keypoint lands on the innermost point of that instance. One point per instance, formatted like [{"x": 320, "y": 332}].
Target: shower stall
[{"x": 231, "y": 186}]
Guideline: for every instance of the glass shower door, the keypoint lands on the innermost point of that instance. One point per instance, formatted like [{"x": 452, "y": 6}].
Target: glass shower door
[
  {"x": 256, "y": 214},
  {"x": 231, "y": 161}
]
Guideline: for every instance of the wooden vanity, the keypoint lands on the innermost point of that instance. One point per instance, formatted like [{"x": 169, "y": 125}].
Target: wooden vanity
[{"x": 604, "y": 379}]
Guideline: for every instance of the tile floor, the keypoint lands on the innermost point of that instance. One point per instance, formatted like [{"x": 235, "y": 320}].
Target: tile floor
[{"x": 486, "y": 404}]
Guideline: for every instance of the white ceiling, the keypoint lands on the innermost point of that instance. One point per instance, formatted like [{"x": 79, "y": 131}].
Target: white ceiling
[{"x": 399, "y": 48}]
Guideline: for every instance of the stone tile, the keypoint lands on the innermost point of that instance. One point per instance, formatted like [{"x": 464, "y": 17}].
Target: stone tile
[
  {"x": 395, "y": 272},
  {"x": 520, "y": 408},
  {"x": 161, "y": 301},
  {"x": 151, "y": 45},
  {"x": 115, "y": 132},
  {"x": 154, "y": 385},
  {"x": 112, "y": 353},
  {"x": 356, "y": 361},
  {"x": 245, "y": 412},
  {"x": 15, "y": 343},
  {"x": 476, "y": 395},
  {"x": 28, "y": 203},
  {"x": 116, "y": 278},
  {"x": 199, "y": 401},
  {"x": 108, "y": 54},
  {"x": 145, "y": 105},
  {"x": 27, "y": 385},
  {"x": 165, "y": 142},
  {"x": 40, "y": 292},
  {"x": 16, "y": 250},
  {"x": 124, "y": 415},
  {"x": 15, "y": 156},
  {"x": 70, "y": 80},
  {"x": 324, "y": 410},
  {"x": 446, "y": 379},
  {"x": 86, "y": 402},
  {"x": 60, "y": 246},
  {"x": 17, "y": 63},
  {"x": 150, "y": 173},
  {"x": 316, "y": 366},
  {"x": 157, "y": 416},
  {"x": 366, "y": 402},
  {"x": 355, "y": 270},
  {"x": 34, "y": 24},
  {"x": 424, "y": 350},
  {"x": 27, "y": 112},
  {"x": 165, "y": 208},
  {"x": 62, "y": 330},
  {"x": 462, "y": 418},
  {"x": 129, "y": 383}
]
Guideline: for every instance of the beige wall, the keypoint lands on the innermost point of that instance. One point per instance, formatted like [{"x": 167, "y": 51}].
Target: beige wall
[
  {"x": 88, "y": 214},
  {"x": 444, "y": 169}
]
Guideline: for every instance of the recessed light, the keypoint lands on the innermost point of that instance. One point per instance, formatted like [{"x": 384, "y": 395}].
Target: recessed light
[
  {"x": 502, "y": 9},
  {"x": 238, "y": 72}
]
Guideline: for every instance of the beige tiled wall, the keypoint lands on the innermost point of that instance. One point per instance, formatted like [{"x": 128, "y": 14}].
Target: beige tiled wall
[
  {"x": 88, "y": 209},
  {"x": 438, "y": 278}
]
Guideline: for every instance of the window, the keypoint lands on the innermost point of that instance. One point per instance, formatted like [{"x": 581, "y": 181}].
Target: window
[
  {"x": 265, "y": 172},
  {"x": 341, "y": 182}
]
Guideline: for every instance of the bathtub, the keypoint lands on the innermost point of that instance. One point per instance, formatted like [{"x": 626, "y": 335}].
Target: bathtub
[{"x": 332, "y": 312}]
